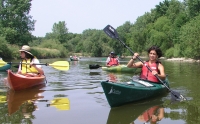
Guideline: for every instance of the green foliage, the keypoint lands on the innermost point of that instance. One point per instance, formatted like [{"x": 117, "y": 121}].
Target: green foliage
[
  {"x": 16, "y": 24},
  {"x": 189, "y": 38},
  {"x": 193, "y": 7},
  {"x": 59, "y": 31},
  {"x": 169, "y": 53},
  {"x": 173, "y": 52},
  {"x": 5, "y": 52},
  {"x": 55, "y": 49}
]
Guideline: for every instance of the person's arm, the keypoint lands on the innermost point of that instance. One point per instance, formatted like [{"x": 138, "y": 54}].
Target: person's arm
[
  {"x": 162, "y": 72},
  {"x": 118, "y": 61},
  {"x": 162, "y": 75},
  {"x": 107, "y": 61},
  {"x": 160, "y": 115},
  {"x": 19, "y": 69},
  {"x": 132, "y": 64},
  {"x": 37, "y": 67}
]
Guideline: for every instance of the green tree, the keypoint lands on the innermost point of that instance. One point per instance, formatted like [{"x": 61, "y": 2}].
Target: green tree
[
  {"x": 15, "y": 21},
  {"x": 193, "y": 7},
  {"x": 189, "y": 38},
  {"x": 60, "y": 31}
]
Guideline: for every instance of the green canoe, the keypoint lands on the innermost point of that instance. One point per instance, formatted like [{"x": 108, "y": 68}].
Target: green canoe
[
  {"x": 5, "y": 67},
  {"x": 121, "y": 93},
  {"x": 119, "y": 68}
]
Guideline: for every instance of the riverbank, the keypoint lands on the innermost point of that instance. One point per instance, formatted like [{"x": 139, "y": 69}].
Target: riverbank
[{"x": 183, "y": 59}]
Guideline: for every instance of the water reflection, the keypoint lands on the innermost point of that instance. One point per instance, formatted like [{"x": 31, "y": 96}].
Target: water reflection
[
  {"x": 112, "y": 77},
  {"x": 128, "y": 114},
  {"x": 24, "y": 101},
  {"x": 60, "y": 103},
  {"x": 152, "y": 115},
  {"x": 83, "y": 87}
]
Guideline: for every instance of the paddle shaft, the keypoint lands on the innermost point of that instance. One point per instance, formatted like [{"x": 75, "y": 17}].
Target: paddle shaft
[
  {"x": 94, "y": 66},
  {"x": 28, "y": 63},
  {"x": 111, "y": 32}
]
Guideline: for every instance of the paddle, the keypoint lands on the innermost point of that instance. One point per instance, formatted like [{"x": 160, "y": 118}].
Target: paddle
[
  {"x": 111, "y": 32},
  {"x": 94, "y": 66},
  {"x": 60, "y": 65}
]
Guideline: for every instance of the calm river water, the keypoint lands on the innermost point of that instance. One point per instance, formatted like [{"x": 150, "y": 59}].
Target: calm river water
[{"x": 76, "y": 97}]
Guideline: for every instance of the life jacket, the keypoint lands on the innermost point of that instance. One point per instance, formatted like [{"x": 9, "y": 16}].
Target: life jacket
[
  {"x": 148, "y": 113},
  {"x": 113, "y": 61},
  {"x": 26, "y": 67},
  {"x": 146, "y": 74}
]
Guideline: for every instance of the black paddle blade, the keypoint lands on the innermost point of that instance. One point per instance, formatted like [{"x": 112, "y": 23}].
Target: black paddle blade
[
  {"x": 175, "y": 96},
  {"x": 94, "y": 66},
  {"x": 111, "y": 32}
]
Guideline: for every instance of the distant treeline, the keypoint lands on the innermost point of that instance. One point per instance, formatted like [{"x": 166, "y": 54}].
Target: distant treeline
[{"x": 172, "y": 25}]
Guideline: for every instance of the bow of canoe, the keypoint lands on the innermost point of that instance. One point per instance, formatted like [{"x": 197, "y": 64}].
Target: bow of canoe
[
  {"x": 121, "y": 93},
  {"x": 5, "y": 67},
  {"x": 19, "y": 82}
]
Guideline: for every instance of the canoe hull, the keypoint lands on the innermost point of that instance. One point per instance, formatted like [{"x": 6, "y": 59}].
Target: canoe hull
[
  {"x": 121, "y": 93},
  {"x": 120, "y": 68},
  {"x": 5, "y": 67},
  {"x": 17, "y": 82}
]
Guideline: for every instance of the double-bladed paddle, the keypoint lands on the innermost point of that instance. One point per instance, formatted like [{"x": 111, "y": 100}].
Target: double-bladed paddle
[
  {"x": 111, "y": 32},
  {"x": 94, "y": 66},
  {"x": 60, "y": 65}
]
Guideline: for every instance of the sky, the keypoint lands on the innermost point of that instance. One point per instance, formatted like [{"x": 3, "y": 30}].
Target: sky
[{"x": 80, "y": 15}]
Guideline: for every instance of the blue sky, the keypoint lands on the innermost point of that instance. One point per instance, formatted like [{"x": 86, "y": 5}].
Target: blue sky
[{"x": 80, "y": 15}]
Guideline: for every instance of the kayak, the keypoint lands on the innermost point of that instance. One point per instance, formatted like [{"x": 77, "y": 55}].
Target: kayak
[
  {"x": 18, "y": 100},
  {"x": 74, "y": 59},
  {"x": 119, "y": 68},
  {"x": 19, "y": 82},
  {"x": 121, "y": 93},
  {"x": 5, "y": 67}
]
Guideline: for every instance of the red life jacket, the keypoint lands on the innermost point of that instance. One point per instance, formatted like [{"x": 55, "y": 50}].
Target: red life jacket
[
  {"x": 146, "y": 74},
  {"x": 113, "y": 61},
  {"x": 148, "y": 113}
]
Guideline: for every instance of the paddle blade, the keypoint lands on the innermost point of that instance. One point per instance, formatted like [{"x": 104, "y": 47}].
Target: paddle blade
[
  {"x": 60, "y": 65},
  {"x": 94, "y": 66},
  {"x": 61, "y": 103},
  {"x": 111, "y": 32},
  {"x": 175, "y": 96},
  {"x": 2, "y": 63}
]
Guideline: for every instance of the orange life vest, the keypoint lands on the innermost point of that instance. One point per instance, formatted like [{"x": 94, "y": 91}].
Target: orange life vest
[
  {"x": 146, "y": 74},
  {"x": 113, "y": 61}
]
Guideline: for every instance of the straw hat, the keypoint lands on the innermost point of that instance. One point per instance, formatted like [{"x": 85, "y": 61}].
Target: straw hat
[{"x": 27, "y": 49}]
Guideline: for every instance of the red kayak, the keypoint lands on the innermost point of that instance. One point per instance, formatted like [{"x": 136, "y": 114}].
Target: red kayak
[{"x": 20, "y": 82}]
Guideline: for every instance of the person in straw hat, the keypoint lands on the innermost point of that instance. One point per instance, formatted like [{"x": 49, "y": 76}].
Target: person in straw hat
[{"x": 28, "y": 66}]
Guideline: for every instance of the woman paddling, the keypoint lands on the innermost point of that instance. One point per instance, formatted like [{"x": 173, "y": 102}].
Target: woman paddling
[
  {"x": 155, "y": 65},
  {"x": 29, "y": 65}
]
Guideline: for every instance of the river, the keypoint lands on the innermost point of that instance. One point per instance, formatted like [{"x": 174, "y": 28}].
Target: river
[{"x": 76, "y": 97}]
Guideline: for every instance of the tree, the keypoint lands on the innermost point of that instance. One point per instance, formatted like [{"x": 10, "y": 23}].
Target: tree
[
  {"x": 15, "y": 22},
  {"x": 193, "y": 7},
  {"x": 60, "y": 31}
]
